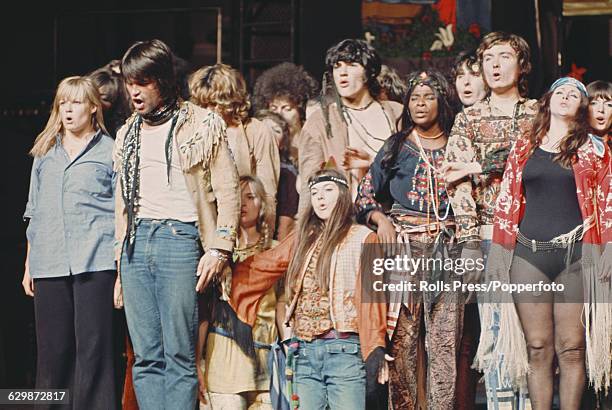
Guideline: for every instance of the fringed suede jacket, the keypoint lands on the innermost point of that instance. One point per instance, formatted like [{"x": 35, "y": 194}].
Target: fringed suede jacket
[{"x": 210, "y": 175}]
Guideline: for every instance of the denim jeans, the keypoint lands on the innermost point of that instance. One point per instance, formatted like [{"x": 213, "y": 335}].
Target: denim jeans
[
  {"x": 162, "y": 314},
  {"x": 330, "y": 373}
]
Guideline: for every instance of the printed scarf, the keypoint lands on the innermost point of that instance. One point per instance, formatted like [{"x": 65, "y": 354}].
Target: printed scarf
[{"x": 130, "y": 171}]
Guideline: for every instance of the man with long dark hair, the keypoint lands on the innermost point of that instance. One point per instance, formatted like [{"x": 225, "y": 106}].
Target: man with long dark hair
[
  {"x": 178, "y": 193},
  {"x": 352, "y": 124}
]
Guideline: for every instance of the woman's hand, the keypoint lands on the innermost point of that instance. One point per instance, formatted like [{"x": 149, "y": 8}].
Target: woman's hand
[
  {"x": 208, "y": 267},
  {"x": 356, "y": 158},
  {"x": 454, "y": 171},
  {"x": 27, "y": 282},
  {"x": 385, "y": 230},
  {"x": 383, "y": 373},
  {"x": 118, "y": 294},
  {"x": 201, "y": 385}
]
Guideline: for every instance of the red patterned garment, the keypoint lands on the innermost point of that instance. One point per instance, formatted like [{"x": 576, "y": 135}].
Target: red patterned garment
[{"x": 594, "y": 191}]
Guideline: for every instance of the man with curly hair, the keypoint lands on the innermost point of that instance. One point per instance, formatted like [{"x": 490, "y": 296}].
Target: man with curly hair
[
  {"x": 285, "y": 89},
  {"x": 352, "y": 124},
  {"x": 222, "y": 89}
]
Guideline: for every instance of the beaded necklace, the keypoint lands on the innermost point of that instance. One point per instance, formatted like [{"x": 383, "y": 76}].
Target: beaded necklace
[{"x": 432, "y": 180}]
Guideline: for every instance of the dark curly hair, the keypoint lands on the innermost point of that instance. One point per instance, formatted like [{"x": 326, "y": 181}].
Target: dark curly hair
[
  {"x": 467, "y": 58},
  {"x": 349, "y": 51},
  {"x": 285, "y": 80},
  {"x": 446, "y": 115}
]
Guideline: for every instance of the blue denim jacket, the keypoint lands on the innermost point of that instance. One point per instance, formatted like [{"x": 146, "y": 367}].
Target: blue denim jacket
[{"x": 71, "y": 210}]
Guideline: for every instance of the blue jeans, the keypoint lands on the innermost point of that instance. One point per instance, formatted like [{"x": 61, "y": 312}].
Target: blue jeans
[
  {"x": 162, "y": 312},
  {"x": 330, "y": 373}
]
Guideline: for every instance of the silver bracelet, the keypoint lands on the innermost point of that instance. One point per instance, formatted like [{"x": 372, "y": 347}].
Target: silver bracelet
[{"x": 218, "y": 254}]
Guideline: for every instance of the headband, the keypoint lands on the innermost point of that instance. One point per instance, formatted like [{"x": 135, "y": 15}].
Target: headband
[
  {"x": 571, "y": 81},
  {"x": 424, "y": 79},
  {"x": 327, "y": 178}
]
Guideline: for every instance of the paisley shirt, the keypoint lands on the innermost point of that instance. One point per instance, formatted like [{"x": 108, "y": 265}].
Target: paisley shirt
[{"x": 483, "y": 134}]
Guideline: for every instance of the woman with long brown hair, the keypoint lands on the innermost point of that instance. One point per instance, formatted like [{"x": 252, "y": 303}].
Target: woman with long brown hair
[
  {"x": 335, "y": 333},
  {"x": 551, "y": 226}
]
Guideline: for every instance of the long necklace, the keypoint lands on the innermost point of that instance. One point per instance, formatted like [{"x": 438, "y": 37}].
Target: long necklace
[
  {"x": 352, "y": 118},
  {"x": 432, "y": 180}
]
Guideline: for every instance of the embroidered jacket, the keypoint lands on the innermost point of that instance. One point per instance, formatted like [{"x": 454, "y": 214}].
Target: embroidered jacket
[
  {"x": 482, "y": 134},
  {"x": 210, "y": 175},
  {"x": 406, "y": 185}
]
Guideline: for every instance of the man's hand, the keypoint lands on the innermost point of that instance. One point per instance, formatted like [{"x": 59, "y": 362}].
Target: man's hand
[
  {"x": 356, "y": 158},
  {"x": 208, "y": 268},
  {"x": 454, "y": 171},
  {"x": 605, "y": 263}
]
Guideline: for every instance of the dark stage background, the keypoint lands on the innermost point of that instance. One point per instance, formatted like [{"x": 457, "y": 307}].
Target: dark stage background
[{"x": 255, "y": 35}]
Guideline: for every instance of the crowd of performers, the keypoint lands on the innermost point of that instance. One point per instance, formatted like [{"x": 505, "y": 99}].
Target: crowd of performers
[{"x": 233, "y": 231}]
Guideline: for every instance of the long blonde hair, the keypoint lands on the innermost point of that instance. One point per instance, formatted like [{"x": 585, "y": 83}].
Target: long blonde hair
[
  {"x": 69, "y": 88},
  {"x": 258, "y": 190}
]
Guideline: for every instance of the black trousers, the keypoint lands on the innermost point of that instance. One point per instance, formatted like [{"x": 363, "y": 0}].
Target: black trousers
[{"x": 74, "y": 335}]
